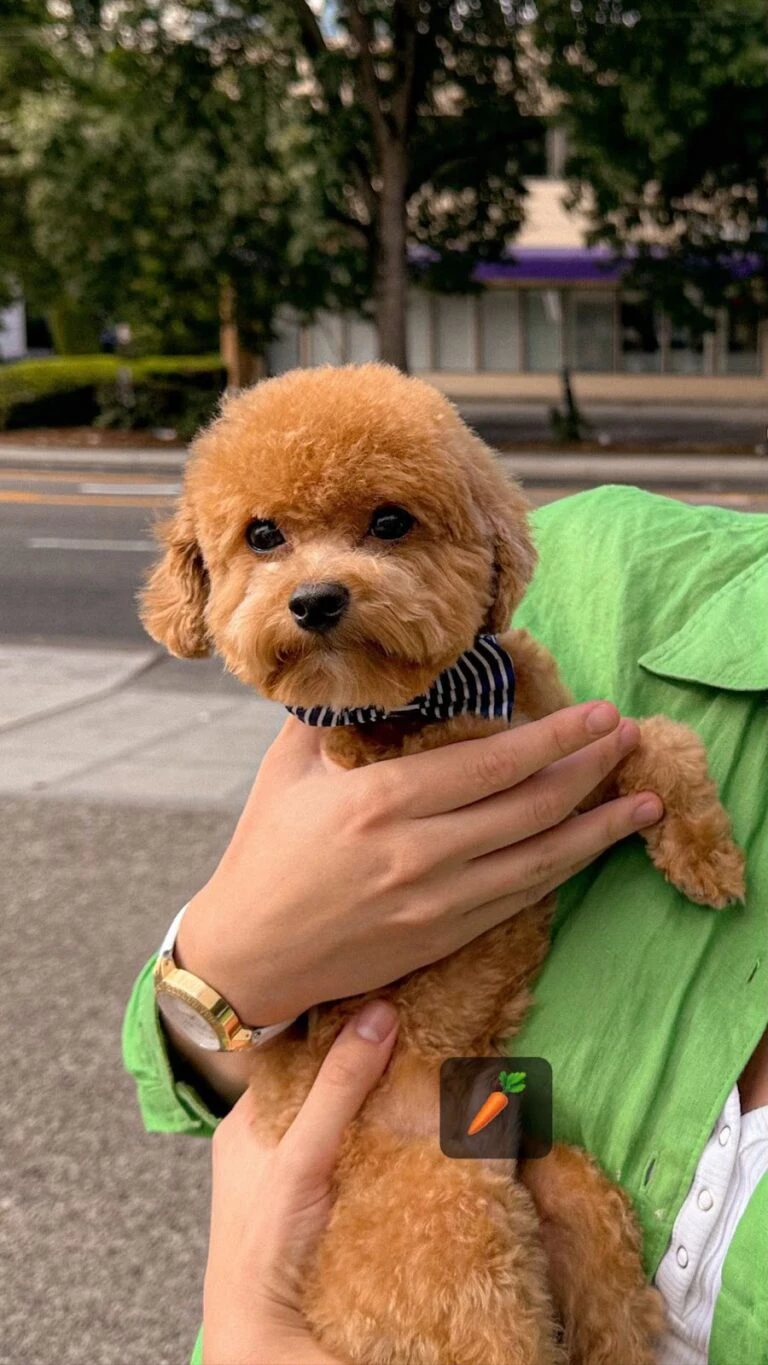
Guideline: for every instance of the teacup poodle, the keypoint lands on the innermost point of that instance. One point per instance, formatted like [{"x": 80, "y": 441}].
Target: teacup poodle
[{"x": 351, "y": 549}]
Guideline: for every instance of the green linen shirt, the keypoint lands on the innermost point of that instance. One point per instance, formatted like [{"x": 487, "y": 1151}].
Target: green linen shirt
[{"x": 648, "y": 1007}]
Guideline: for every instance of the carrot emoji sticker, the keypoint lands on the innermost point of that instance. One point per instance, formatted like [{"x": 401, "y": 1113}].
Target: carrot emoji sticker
[{"x": 511, "y": 1083}]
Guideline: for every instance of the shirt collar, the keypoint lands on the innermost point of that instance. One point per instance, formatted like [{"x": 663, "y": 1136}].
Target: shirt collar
[
  {"x": 725, "y": 642},
  {"x": 480, "y": 683}
]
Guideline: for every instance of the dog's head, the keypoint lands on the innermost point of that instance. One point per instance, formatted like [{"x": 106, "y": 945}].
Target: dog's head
[{"x": 341, "y": 539}]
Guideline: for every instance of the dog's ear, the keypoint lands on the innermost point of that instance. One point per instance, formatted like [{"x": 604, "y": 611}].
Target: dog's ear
[
  {"x": 172, "y": 602},
  {"x": 502, "y": 511},
  {"x": 513, "y": 552}
]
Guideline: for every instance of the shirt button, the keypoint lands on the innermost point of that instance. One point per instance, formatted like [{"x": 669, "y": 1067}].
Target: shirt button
[
  {"x": 705, "y": 1201},
  {"x": 725, "y": 1133},
  {"x": 682, "y": 1257}
]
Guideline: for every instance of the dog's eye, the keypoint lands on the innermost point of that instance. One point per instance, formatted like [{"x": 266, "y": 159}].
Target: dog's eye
[
  {"x": 390, "y": 523},
  {"x": 262, "y": 534}
]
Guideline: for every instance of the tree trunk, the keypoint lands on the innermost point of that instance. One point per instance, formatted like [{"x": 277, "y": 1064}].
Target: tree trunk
[
  {"x": 243, "y": 367},
  {"x": 391, "y": 259}
]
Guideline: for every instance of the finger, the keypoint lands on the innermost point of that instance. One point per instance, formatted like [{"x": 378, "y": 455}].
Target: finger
[
  {"x": 535, "y": 805},
  {"x": 548, "y": 856},
  {"x": 495, "y": 912},
  {"x": 460, "y": 774},
  {"x": 350, "y": 1071}
]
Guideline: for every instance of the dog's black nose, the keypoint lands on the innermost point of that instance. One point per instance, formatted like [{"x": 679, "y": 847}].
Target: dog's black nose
[{"x": 319, "y": 606}]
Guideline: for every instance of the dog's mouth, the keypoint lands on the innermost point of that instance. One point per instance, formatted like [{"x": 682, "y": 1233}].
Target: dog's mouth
[{"x": 332, "y": 670}]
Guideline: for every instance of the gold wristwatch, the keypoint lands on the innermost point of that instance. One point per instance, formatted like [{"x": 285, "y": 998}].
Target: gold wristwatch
[{"x": 197, "y": 1011}]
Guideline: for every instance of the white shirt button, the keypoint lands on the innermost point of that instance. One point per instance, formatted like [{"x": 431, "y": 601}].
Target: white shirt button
[
  {"x": 705, "y": 1201},
  {"x": 682, "y": 1257},
  {"x": 725, "y": 1133}
]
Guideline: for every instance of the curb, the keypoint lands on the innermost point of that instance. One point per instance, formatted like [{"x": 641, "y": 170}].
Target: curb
[
  {"x": 51, "y": 458},
  {"x": 663, "y": 468}
]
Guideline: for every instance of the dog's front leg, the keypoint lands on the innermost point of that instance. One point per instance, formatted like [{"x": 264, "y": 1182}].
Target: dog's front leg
[{"x": 692, "y": 844}]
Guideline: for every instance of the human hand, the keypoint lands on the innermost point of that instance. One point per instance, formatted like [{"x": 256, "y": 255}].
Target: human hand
[
  {"x": 337, "y": 882},
  {"x": 270, "y": 1205}
]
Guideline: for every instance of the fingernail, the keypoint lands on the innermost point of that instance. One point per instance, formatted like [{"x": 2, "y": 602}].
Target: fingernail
[
  {"x": 648, "y": 811},
  {"x": 602, "y": 719},
  {"x": 376, "y": 1021},
  {"x": 628, "y": 735}
]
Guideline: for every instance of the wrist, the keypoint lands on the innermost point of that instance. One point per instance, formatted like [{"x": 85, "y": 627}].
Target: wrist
[
  {"x": 256, "y": 1337},
  {"x": 258, "y": 989}
]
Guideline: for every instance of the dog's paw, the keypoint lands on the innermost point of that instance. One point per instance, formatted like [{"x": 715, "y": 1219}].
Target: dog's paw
[{"x": 711, "y": 875}]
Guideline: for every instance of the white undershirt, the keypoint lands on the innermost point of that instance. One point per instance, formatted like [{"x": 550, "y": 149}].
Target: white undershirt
[{"x": 690, "y": 1275}]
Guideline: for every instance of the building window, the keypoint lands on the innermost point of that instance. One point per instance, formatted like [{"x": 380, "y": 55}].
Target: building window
[
  {"x": 739, "y": 352},
  {"x": 592, "y": 331},
  {"x": 542, "y": 324},
  {"x": 640, "y": 337},
  {"x": 326, "y": 340},
  {"x": 499, "y": 329},
  {"x": 419, "y": 330},
  {"x": 284, "y": 348},
  {"x": 455, "y": 332},
  {"x": 362, "y": 342},
  {"x": 685, "y": 350}
]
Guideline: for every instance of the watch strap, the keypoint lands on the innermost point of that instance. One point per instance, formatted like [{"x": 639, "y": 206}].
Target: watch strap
[{"x": 258, "y": 1035}]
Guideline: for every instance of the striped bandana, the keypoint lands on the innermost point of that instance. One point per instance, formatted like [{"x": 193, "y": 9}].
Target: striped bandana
[{"x": 480, "y": 683}]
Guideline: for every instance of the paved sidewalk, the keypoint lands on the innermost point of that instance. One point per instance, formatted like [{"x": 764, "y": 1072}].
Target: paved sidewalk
[{"x": 128, "y": 727}]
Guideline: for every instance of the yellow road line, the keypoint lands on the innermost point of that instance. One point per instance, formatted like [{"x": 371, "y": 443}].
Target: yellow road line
[{"x": 78, "y": 500}]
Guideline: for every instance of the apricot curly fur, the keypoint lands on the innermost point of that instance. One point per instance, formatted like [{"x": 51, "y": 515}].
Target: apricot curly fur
[{"x": 426, "y": 1261}]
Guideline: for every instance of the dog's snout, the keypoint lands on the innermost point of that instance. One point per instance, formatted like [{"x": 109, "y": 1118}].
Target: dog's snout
[{"x": 319, "y": 606}]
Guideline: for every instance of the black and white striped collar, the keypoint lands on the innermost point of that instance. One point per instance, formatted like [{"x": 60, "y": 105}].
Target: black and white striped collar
[{"x": 480, "y": 683}]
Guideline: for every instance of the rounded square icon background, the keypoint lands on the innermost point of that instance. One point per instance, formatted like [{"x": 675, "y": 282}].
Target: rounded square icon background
[{"x": 524, "y": 1126}]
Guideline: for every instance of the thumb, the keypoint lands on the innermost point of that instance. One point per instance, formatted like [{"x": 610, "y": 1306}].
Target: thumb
[{"x": 350, "y": 1071}]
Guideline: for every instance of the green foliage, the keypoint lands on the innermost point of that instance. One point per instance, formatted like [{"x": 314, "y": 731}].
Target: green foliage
[
  {"x": 155, "y": 174},
  {"x": 156, "y": 391},
  {"x": 173, "y": 392},
  {"x": 441, "y": 86},
  {"x": 74, "y": 329},
  {"x": 667, "y": 115},
  {"x": 29, "y": 390},
  {"x": 158, "y": 155}
]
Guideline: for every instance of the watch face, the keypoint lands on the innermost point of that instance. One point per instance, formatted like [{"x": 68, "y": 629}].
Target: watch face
[{"x": 188, "y": 1022}]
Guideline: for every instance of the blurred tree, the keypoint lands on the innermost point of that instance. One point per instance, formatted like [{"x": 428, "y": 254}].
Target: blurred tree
[
  {"x": 425, "y": 123},
  {"x": 277, "y": 152},
  {"x": 26, "y": 63},
  {"x": 666, "y": 112},
  {"x": 165, "y": 185}
]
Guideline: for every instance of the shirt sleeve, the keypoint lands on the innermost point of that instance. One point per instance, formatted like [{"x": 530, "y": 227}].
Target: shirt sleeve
[{"x": 167, "y": 1104}]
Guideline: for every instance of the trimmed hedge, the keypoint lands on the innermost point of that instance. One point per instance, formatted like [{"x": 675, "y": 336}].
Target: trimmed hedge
[
  {"x": 56, "y": 392},
  {"x": 154, "y": 391}
]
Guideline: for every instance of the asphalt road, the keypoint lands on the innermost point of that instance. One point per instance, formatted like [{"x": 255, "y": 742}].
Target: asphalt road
[
  {"x": 103, "y": 1228},
  {"x": 74, "y": 546}
]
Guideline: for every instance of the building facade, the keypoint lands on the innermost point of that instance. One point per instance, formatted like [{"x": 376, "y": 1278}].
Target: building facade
[{"x": 556, "y": 303}]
